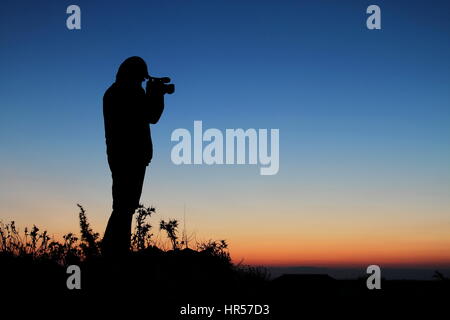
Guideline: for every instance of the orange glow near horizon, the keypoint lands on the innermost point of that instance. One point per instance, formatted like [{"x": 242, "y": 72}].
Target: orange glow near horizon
[
  {"x": 344, "y": 258},
  {"x": 334, "y": 252},
  {"x": 298, "y": 235},
  {"x": 388, "y": 250}
]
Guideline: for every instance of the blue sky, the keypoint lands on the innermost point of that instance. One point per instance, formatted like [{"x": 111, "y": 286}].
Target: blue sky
[{"x": 364, "y": 116}]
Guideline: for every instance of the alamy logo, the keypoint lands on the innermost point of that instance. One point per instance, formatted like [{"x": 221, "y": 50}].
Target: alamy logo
[
  {"x": 237, "y": 142},
  {"x": 373, "y": 22},
  {"x": 73, "y": 21},
  {"x": 74, "y": 280},
  {"x": 374, "y": 280}
]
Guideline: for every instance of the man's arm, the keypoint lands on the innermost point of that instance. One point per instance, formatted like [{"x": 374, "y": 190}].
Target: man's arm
[{"x": 154, "y": 103}]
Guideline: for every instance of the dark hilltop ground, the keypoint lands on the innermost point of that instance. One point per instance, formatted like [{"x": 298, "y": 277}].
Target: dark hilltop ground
[{"x": 164, "y": 284}]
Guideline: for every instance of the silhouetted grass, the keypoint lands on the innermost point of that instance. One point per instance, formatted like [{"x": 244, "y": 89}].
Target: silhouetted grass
[
  {"x": 35, "y": 259},
  {"x": 158, "y": 280},
  {"x": 37, "y": 244}
]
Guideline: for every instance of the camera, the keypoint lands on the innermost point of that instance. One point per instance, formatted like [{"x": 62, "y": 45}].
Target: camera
[{"x": 161, "y": 82}]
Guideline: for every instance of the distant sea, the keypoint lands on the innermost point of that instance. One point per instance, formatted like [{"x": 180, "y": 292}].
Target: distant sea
[{"x": 388, "y": 273}]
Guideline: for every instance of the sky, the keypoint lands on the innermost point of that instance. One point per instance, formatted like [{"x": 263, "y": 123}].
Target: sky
[{"x": 363, "y": 118}]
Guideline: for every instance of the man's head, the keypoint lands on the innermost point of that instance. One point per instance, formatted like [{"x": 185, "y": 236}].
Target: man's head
[{"x": 132, "y": 70}]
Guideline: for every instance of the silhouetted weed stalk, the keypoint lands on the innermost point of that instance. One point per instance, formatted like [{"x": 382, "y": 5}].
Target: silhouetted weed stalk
[
  {"x": 141, "y": 237},
  {"x": 38, "y": 245},
  {"x": 171, "y": 228},
  {"x": 89, "y": 239}
]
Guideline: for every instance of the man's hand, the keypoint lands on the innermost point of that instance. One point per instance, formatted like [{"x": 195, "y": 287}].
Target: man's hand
[{"x": 154, "y": 88}]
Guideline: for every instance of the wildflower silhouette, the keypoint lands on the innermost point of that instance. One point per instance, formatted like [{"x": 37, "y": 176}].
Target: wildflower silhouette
[
  {"x": 171, "y": 227},
  {"x": 141, "y": 237}
]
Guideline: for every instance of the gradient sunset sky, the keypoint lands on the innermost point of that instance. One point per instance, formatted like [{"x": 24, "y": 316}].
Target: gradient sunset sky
[{"x": 364, "y": 120}]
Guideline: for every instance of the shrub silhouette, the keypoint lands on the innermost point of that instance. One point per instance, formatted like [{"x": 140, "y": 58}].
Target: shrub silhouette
[
  {"x": 171, "y": 227},
  {"x": 36, "y": 244},
  {"x": 216, "y": 248},
  {"x": 141, "y": 237},
  {"x": 89, "y": 239},
  {"x": 34, "y": 260}
]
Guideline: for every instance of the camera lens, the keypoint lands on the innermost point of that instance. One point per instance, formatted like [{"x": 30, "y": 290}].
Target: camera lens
[{"x": 170, "y": 88}]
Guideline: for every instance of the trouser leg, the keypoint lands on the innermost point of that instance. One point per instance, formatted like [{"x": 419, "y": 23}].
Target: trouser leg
[{"x": 126, "y": 191}]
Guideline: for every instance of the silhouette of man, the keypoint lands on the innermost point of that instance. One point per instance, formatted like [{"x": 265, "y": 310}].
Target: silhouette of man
[{"x": 128, "y": 110}]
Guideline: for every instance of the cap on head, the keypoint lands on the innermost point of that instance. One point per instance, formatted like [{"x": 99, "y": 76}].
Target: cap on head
[{"x": 132, "y": 69}]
